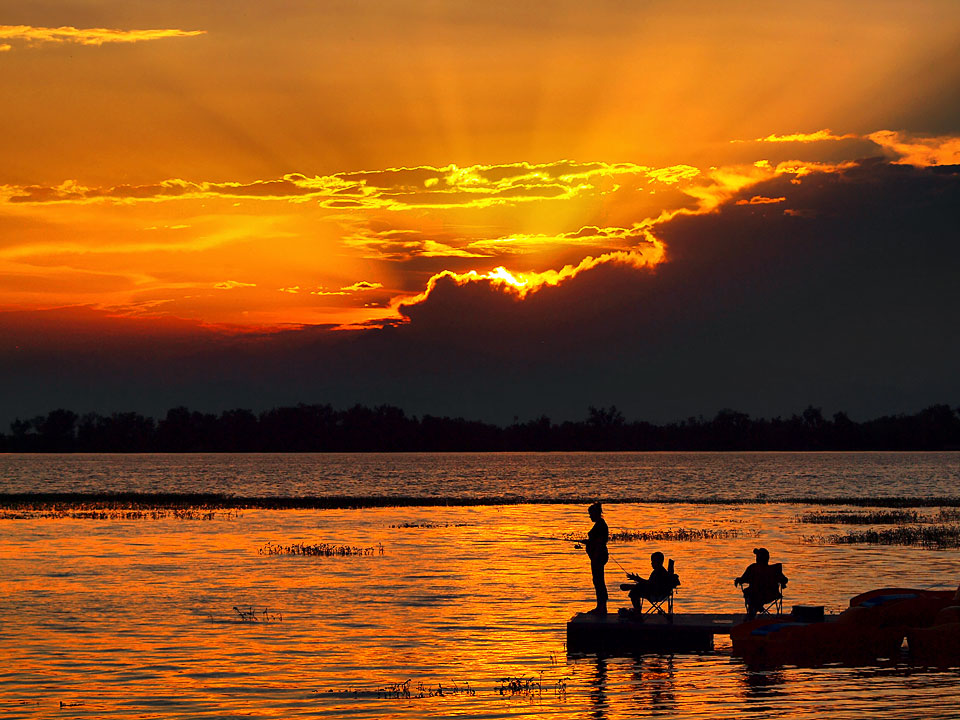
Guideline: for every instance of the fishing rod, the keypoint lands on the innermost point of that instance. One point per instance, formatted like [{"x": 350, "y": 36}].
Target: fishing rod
[{"x": 580, "y": 543}]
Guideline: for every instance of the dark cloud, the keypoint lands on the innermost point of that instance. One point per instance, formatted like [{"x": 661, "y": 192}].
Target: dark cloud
[{"x": 843, "y": 295}]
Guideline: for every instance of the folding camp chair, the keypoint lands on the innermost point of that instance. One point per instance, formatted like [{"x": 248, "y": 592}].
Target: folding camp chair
[
  {"x": 656, "y": 604},
  {"x": 773, "y": 595},
  {"x": 664, "y": 596},
  {"x": 775, "y": 604}
]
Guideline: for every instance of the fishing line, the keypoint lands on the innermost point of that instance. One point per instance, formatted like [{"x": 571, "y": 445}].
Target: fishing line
[{"x": 618, "y": 564}]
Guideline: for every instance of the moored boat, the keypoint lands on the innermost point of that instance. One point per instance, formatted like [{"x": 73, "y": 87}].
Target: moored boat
[
  {"x": 872, "y": 628},
  {"x": 939, "y": 644}
]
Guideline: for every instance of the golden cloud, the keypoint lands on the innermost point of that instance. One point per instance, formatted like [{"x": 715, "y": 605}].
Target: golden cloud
[
  {"x": 87, "y": 36},
  {"x": 422, "y": 187},
  {"x": 405, "y": 244},
  {"x": 818, "y": 136},
  {"x": 524, "y": 283},
  {"x": 500, "y": 247},
  {"x": 718, "y": 186},
  {"x": 722, "y": 184},
  {"x": 232, "y": 285},
  {"x": 761, "y": 200},
  {"x": 588, "y": 236},
  {"x": 920, "y": 152},
  {"x": 361, "y": 286}
]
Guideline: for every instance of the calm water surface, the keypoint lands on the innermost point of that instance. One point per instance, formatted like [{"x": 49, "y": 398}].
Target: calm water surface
[
  {"x": 533, "y": 475},
  {"x": 134, "y": 619}
]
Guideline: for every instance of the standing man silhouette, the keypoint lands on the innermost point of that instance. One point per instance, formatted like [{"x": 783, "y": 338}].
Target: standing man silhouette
[{"x": 596, "y": 547}]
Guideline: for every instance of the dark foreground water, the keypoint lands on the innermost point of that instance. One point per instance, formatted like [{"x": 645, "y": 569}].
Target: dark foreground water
[{"x": 134, "y": 618}]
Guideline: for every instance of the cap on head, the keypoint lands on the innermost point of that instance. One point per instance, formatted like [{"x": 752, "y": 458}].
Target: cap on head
[
  {"x": 761, "y": 553},
  {"x": 595, "y": 508}
]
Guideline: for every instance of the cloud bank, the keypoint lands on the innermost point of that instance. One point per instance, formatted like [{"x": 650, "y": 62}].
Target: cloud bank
[{"x": 842, "y": 294}]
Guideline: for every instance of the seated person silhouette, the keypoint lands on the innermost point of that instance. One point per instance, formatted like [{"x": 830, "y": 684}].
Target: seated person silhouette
[
  {"x": 764, "y": 582},
  {"x": 655, "y": 588}
]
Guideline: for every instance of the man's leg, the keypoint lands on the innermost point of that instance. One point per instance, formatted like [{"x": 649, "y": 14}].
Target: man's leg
[{"x": 600, "y": 586}]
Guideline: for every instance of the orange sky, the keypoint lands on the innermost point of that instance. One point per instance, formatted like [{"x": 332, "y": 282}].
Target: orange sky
[{"x": 239, "y": 164}]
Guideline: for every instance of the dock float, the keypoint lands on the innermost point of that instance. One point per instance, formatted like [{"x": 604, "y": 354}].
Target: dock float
[{"x": 680, "y": 632}]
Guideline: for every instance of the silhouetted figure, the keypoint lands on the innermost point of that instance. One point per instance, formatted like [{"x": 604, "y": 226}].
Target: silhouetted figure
[
  {"x": 596, "y": 547},
  {"x": 763, "y": 582},
  {"x": 653, "y": 589}
]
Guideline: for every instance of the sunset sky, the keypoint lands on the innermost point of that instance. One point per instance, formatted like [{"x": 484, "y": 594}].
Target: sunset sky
[{"x": 490, "y": 209}]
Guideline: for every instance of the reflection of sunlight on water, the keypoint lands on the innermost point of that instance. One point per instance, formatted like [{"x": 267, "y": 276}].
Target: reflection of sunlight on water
[
  {"x": 535, "y": 475},
  {"x": 136, "y": 617}
]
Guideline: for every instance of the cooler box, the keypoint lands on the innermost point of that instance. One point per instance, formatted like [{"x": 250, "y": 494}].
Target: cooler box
[{"x": 808, "y": 613}]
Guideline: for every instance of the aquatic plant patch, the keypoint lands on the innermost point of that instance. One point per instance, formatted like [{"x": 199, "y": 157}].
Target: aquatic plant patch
[
  {"x": 856, "y": 517},
  {"x": 878, "y": 517},
  {"x": 320, "y": 550},
  {"x": 527, "y": 686},
  {"x": 406, "y": 690},
  {"x": 119, "y": 513},
  {"x": 16, "y": 501},
  {"x": 928, "y": 536},
  {"x": 426, "y": 525},
  {"x": 253, "y": 614},
  {"x": 668, "y": 535}
]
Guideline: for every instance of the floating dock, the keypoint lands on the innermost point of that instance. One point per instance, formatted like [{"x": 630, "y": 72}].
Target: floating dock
[{"x": 680, "y": 632}]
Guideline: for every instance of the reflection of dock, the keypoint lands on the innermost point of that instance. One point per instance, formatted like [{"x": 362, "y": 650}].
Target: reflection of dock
[{"x": 681, "y": 632}]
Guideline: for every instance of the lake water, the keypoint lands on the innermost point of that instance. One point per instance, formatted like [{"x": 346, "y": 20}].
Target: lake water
[
  {"x": 542, "y": 476},
  {"x": 135, "y": 618}
]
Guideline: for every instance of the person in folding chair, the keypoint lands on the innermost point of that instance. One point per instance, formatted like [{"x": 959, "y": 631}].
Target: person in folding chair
[
  {"x": 764, "y": 584},
  {"x": 656, "y": 589}
]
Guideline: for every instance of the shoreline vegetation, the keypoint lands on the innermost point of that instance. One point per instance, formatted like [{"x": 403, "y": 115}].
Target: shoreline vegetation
[
  {"x": 879, "y": 517},
  {"x": 679, "y": 534},
  {"x": 935, "y": 537},
  {"x": 321, "y": 428},
  {"x": 209, "y": 502}
]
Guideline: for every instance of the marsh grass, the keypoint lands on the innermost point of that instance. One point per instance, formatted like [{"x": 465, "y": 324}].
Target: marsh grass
[
  {"x": 426, "y": 525},
  {"x": 860, "y": 517},
  {"x": 878, "y": 517},
  {"x": 15, "y": 501},
  {"x": 321, "y": 550},
  {"x": 526, "y": 686},
  {"x": 926, "y": 536},
  {"x": 667, "y": 535},
  {"x": 121, "y": 513},
  {"x": 406, "y": 690},
  {"x": 510, "y": 686},
  {"x": 252, "y": 614}
]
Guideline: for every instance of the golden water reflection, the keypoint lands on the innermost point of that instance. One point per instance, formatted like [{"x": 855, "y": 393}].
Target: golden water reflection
[{"x": 136, "y": 618}]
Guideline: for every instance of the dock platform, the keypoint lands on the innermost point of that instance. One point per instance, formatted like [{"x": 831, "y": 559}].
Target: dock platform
[{"x": 680, "y": 632}]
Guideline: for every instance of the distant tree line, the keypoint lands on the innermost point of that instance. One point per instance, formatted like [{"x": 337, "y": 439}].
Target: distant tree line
[{"x": 321, "y": 428}]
